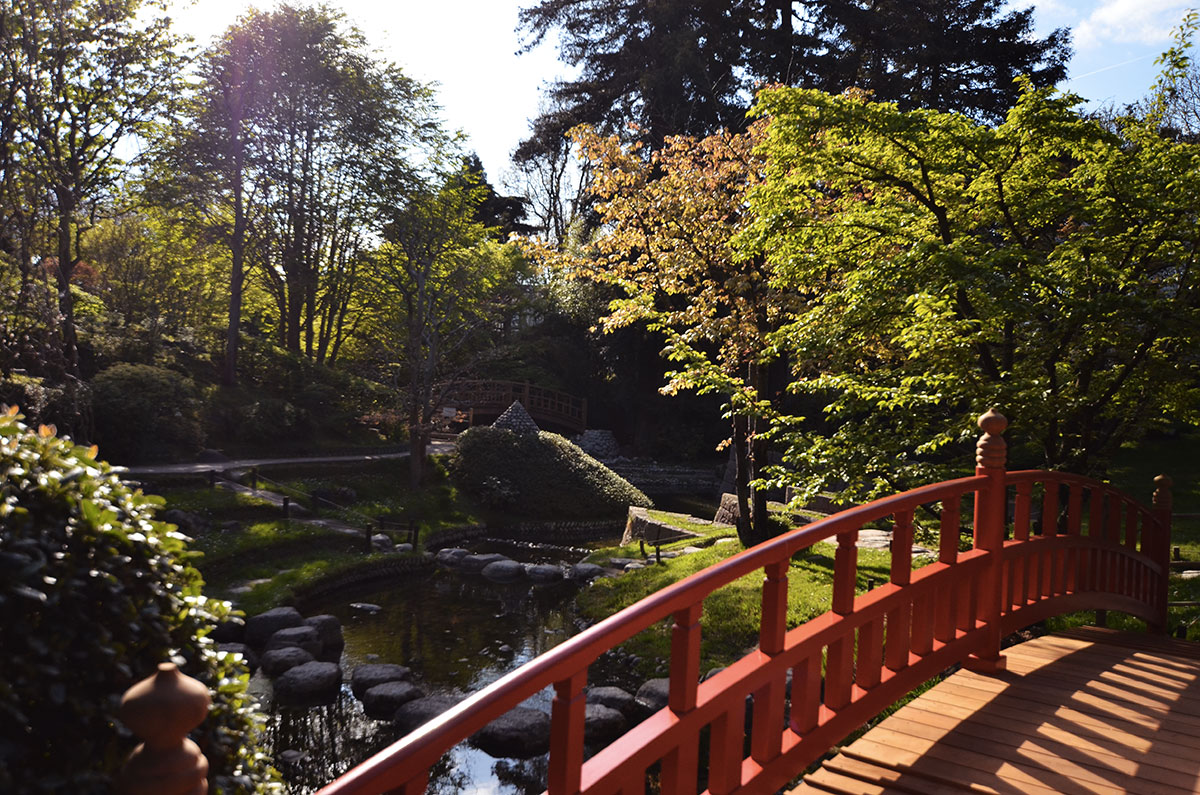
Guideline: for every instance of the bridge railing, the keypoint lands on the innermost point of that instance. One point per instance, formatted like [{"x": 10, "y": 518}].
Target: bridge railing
[
  {"x": 541, "y": 403},
  {"x": 848, "y": 664}
]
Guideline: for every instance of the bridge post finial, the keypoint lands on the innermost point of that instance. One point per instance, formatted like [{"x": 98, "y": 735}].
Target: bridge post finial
[
  {"x": 991, "y": 451},
  {"x": 162, "y": 709},
  {"x": 991, "y": 456}
]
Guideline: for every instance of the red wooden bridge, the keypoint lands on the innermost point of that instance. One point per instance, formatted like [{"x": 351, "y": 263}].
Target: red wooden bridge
[{"x": 1044, "y": 543}]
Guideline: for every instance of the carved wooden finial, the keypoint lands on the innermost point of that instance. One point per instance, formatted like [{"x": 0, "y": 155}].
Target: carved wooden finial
[
  {"x": 991, "y": 451},
  {"x": 162, "y": 709},
  {"x": 1162, "y": 492}
]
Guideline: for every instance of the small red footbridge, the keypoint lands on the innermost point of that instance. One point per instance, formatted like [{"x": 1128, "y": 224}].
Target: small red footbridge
[{"x": 1044, "y": 543}]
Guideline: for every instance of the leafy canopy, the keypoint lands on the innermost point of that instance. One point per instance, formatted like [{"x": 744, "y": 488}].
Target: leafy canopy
[{"x": 1044, "y": 266}]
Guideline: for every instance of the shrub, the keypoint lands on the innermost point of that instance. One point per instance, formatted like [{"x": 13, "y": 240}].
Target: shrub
[
  {"x": 145, "y": 413},
  {"x": 95, "y": 593},
  {"x": 538, "y": 476}
]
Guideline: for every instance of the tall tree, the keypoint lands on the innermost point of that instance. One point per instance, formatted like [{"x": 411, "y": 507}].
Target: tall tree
[
  {"x": 291, "y": 125},
  {"x": 89, "y": 76},
  {"x": 444, "y": 285}
]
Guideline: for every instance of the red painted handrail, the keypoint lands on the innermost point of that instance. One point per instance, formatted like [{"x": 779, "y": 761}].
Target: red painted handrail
[{"x": 848, "y": 664}]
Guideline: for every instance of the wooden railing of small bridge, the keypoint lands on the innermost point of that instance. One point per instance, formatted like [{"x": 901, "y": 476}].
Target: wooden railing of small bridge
[
  {"x": 548, "y": 405},
  {"x": 1044, "y": 543}
]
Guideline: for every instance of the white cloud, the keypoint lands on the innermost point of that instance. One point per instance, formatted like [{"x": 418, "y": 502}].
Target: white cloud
[{"x": 1145, "y": 22}]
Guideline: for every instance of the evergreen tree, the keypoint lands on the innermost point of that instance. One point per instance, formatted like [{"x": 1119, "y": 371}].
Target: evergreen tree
[{"x": 690, "y": 68}]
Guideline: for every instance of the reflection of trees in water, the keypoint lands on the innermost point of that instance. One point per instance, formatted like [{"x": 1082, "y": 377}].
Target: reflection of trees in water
[
  {"x": 333, "y": 738},
  {"x": 524, "y": 775},
  {"x": 445, "y": 780}
]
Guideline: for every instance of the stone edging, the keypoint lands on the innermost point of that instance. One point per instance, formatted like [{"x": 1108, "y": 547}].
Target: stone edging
[
  {"x": 543, "y": 532},
  {"x": 367, "y": 572}
]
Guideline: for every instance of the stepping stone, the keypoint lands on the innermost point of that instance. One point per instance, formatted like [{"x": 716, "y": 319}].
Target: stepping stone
[
  {"x": 382, "y": 701},
  {"x": 310, "y": 684},
  {"x": 517, "y": 734},
  {"x": 278, "y": 661},
  {"x": 365, "y": 677},
  {"x": 261, "y": 627}
]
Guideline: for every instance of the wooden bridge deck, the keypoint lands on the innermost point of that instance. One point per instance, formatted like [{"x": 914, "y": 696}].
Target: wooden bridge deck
[{"x": 1084, "y": 711}]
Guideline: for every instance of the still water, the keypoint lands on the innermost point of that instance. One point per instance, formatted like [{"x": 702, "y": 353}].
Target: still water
[{"x": 458, "y": 633}]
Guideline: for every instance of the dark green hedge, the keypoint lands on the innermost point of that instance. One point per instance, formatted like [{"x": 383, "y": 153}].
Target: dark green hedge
[
  {"x": 94, "y": 593},
  {"x": 538, "y": 476}
]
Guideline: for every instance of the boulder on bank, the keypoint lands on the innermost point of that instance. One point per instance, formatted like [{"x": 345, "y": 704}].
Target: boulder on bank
[
  {"x": 261, "y": 627},
  {"x": 365, "y": 677},
  {"x": 310, "y": 684},
  {"x": 614, "y": 697},
  {"x": 586, "y": 571},
  {"x": 451, "y": 556},
  {"x": 517, "y": 734},
  {"x": 382, "y": 701},
  {"x": 654, "y": 694}
]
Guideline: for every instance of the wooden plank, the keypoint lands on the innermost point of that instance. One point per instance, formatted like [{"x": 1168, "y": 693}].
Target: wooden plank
[{"x": 1092, "y": 710}]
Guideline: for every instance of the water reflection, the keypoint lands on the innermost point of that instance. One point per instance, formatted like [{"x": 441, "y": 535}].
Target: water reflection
[{"x": 459, "y": 633}]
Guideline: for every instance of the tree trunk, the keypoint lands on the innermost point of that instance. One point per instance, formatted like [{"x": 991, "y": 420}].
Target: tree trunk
[
  {"x": 741, "y": 480},
  {"x": 237, "y": 252},
  {"x": 66, "y": 265},
  {"x": 759, "y": 514}
]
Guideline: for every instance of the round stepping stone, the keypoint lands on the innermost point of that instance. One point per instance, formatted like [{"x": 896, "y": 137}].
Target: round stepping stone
[
  {"x": 503, "y": 571},
  {"x": 279, "y": 661},
  {"x": 310, "y": 684},
  {"x": 261, "y": 627},
  {"x": 477, "y": 563},
  {"x": 304, "y": 637},
  {"x": 382, "y": 701},
  {"x": 517, "y": 734},
  {"x": 602, "y": 724},
  {"x": 364, "y": 677},
  {"x": 615, "y": 698},
  {"x": 421, "y": 710},
  {"x": 543, "y": 572}
]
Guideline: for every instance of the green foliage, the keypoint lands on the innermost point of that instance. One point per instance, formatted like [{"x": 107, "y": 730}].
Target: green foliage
[
  {"x": 540, "y": 476},
  {"x": 1041, "y": 266},
  {"x": 145, "y": 413},
  {"x": 95, "y": 593}
]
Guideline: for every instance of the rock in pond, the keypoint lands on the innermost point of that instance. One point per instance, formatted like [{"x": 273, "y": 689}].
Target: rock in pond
[
  {"x": 654, "y": 694},
  {"x": 613, "y": 697},
  {"x": 261, "y": 627},
  {"x": 451, "y": 556},
  {"x": 421, "y": 710},
  {"x": 543, "y": 572},
  {"x": 517, "y": 734},
  {"x": 310, "y": 684},
  {"x": 602, "y": 724},
  {"x": 478, "y": 562},
  {"x": 382, "y": 701},
  {"x": 365, "y": 607},
  {"x": 586, "y": 571},
  {"x": 329, "y": 632},
  {"x": 403, "y": 549},
  {"x": 381, "y": 543},
  {"x": 304, "y": 637},
  {"x": 503, "y": 571},
  {"x": 279, "y": 661},
  {"x": 364, "y": 677}
]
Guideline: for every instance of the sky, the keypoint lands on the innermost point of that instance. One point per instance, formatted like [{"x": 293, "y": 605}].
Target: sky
[{"x": 469, "y": 48}]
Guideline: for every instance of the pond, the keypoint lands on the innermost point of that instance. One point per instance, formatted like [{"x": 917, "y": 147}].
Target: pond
[{"x": 459, "y": 633}]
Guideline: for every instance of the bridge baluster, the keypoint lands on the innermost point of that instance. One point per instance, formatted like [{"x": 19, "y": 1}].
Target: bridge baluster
[
  {"x": 766, "y": 738},
  {"x": 1162, "y": 546},
  {"x": 725, "y": 747},
  {"x": 840, "y": 658},
  {"x": 899, "y": 620},
  {"x": 567, "y": 714},
  {"x": 774, "y": 608},
  {"x": 679, "y": 766},
  {"x": 806, "y": 694}
]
